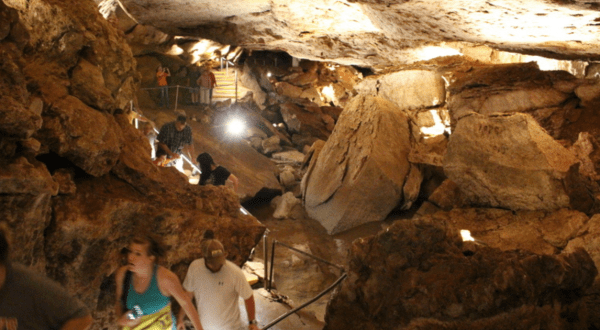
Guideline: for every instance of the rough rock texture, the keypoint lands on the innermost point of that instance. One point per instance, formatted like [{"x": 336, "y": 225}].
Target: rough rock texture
[
  {"x": 508, "y": 161},
  {"x": 372, "y": 33},
  {"x": 83, "y": 135},
  {"x": 76, "y": 179},
  {"x": 535, "y": 231},
  {"x": 409, "y": 90},
  {"x": 420, "y": 275},
  {"x": 87, "y": 233},
  {"x": 547, "y": 95},
  {"x": 507, "y": 88},
  {"x": 364, "y": 160}
]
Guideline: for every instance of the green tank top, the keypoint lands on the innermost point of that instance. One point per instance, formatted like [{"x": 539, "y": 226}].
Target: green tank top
[{"x": 150, "y": 301}]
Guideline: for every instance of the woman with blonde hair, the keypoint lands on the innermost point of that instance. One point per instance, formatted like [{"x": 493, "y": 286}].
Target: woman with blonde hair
[{"x": 144, "y": 289}]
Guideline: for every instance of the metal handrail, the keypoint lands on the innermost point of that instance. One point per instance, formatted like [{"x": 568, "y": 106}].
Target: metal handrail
[
  {"x": 270, "y": 279},
  {"x": 299, "y": 251},
  {"x": 282, "y": 317}
]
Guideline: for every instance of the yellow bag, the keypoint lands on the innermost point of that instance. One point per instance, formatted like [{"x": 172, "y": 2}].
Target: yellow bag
[{"x": 161, "y": 320}]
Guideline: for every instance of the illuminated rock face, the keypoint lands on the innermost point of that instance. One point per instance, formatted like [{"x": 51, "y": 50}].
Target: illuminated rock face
[
  {"x": 509, "y": 162},
  {"x": 362, "y": 172},
  {"x": 379, "y": 33}
]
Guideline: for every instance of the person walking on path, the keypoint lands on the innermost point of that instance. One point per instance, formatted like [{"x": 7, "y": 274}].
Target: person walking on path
[
  {"x": 144, "y": 290},
  {"x": 217, "y": 284},
  {"x": 175, "y": 138},
  {"x": 161, "y": 78}
]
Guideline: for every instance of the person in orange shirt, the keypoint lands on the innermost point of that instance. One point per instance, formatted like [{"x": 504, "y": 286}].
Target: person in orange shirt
[
  {"x": 208, "y": 82},
  {"x": 161, "y": 77}
]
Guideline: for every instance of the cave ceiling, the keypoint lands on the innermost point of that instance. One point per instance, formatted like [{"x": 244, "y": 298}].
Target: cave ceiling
[{"x": 380, "y": 33}]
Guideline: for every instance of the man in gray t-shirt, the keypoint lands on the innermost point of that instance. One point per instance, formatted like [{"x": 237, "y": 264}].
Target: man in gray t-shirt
[{"x": 31, "y": 301}]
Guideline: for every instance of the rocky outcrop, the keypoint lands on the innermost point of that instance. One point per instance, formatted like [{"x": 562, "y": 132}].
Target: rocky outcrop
[
  {"x": 508, "y": 88},
  {"x": 408, "y": 90},
  {"x": 539, "y": 232},
  {"x": 420, "y": 275},
  {"x": 89, "y": 138},
  {"x": 364, "y": 160},
  {"x": 86, "y": 235},
  {"x": 508, "y": 161},
  {"x": 380, "y": 33},
  {"x": 76, "y": 178}
]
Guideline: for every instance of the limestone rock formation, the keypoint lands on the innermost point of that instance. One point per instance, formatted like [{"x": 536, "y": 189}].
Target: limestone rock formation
[
  {"x": 76, "y": 177},
  {"x": 539, "y": 232},
  {"x": 362, "y": 172},
  {"x": 549, "y": 96},
  {"x": 87, "y": 234},
  {"x": 508, "y": 161},
  {"x": 507, "y": 88},
  {"x": 88, "y": 138},
  {"x": 377, "y": 33},
  {"x": 409, "y": 90},
  {"x": 547, "y": 233},
  {"x": 420, "y": 275}
]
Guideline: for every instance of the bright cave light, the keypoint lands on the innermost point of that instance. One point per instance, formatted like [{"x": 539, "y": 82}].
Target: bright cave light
[
  {"x": 327, "y": 94},
  {"x": 235, "y": 127},
  {"x": 431, "y": 52},
  {"x": 175, "y": 50},
  {"x": 466, "y": 235},
  {"x": 437, "y": 129}
]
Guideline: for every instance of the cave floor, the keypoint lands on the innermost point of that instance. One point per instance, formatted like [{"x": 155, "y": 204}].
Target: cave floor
[{"x": 298, "y": 278}]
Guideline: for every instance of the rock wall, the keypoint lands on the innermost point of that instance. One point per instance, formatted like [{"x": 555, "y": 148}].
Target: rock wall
[
  {"x": 560, "y": 136},
  {"x": 420, "y": 275},
  {"x": 76, "y": 179},
  {"x": 508, "y": 161}
]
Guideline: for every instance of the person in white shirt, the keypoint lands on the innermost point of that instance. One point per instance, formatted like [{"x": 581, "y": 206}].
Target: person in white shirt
[{"x": 217, "y": 284}]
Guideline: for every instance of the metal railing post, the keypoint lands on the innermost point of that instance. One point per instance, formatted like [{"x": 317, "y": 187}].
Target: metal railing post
[
  {"x": 176, "y": 97},
  {"x": 265, "y": 256},
  {"x": 272, "y": 265}
]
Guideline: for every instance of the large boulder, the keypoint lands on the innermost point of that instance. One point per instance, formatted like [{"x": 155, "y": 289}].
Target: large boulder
[
  {"x": 508, "y": 161},
  {"x": 509, "y": 88},
  {"x": 408, "y": 90},
  {"x": 362, "y": 173},
  {"x": 420, "y": 275}
]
